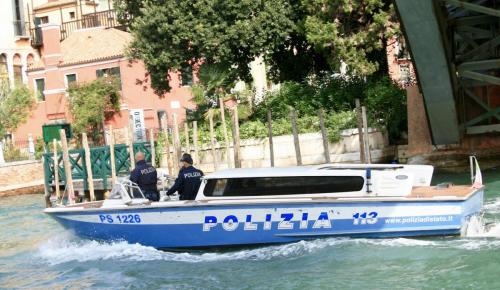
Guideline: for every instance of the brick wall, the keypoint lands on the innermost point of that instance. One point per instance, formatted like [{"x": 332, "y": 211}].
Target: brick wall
[{"x": 20, "y": 172}]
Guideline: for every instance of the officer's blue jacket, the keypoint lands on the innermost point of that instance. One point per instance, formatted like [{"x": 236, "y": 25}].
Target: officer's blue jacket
[
  {"x": 145, "y": 176},
  {"x": 187, "y": 183}
]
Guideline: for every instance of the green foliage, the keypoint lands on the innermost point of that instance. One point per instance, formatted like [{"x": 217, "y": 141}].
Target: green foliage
[
  {"x": 12, "y": 153},
  {"x": 386, "y": 104},
  {"x": 92, "y": 103},
  {"x": 15, "y": 106},
  {"x": 297, "y": 38},
  {"x": 39, "y": 148},
  {"x": 349, "y": 31}
]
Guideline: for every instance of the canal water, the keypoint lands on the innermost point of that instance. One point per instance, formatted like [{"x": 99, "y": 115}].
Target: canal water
[{"x": 36, "y": 253}]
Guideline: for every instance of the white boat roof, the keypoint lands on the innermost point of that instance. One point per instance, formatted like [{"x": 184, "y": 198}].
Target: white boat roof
[{"x": 296, "y": 170}]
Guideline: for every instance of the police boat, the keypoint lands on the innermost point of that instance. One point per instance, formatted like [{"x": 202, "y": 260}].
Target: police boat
[{"x": 280, "y": 205}]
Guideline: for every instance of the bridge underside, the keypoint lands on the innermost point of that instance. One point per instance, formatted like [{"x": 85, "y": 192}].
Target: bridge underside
[{"x": 455, "y": 48}]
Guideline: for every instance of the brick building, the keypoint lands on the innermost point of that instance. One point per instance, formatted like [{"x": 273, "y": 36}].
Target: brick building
[{"x": 85, "y": 55}]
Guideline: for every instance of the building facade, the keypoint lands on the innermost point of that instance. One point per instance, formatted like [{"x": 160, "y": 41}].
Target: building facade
[
  {"x": 16, "y": 53},
  {"x": 86, "y": 55}
]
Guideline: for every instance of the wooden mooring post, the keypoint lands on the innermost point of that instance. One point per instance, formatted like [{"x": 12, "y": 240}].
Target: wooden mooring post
[
  {"x": 186, "y": 137},
  {"x": 295, "y": 132},
  {"x": 112, "y": 155},
  {"x": 270, "y": 134},
  {"x": 67, "y": 167},
  {"x": 366, "y": 138},
  {"x": 56, "y": 169},
  {"x": 176, "y": 141},
  {"x": 224, "y": 129},
  {"x": 129, "y": 138},
  {"x": 152, "y": 145},
  {"x": 167, "y": 143},
  {"x": 359, "y": 115},
  {"x": 88, "y": 166},
  {"x": 212, "y": 137},
  {"x": 236, "y": 138},
  {"x": 195, "y": 142},
  {"x": 324, "y": 135}
]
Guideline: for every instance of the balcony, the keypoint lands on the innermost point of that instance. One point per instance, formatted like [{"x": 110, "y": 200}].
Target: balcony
[{"x": 99, "y": 19}]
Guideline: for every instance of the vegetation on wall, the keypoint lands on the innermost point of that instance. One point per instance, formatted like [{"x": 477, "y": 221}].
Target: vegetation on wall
[{"x": 91, "y": 104}]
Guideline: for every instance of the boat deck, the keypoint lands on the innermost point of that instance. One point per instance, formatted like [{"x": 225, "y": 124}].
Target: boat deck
[{"x": 433, "y": 191}]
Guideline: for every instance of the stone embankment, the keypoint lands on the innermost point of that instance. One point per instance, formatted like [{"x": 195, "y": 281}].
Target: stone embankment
[{"x": 22, "y": 177}]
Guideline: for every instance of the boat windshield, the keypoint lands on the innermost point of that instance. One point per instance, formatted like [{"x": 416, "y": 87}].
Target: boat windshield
[
  {"x": 284, "y": 185},
  {"x": 126, "y": 188}
]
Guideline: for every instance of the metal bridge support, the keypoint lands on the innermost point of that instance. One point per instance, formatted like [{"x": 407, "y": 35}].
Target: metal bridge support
[
  {"x": 455, "y": 47},
  {"x": 423, "y": 33}
]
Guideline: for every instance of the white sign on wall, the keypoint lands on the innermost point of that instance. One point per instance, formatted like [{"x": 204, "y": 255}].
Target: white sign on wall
[{"x": 138, "y": 125}]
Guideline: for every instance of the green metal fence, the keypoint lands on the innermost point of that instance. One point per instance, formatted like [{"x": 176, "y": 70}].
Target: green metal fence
[{"x": 100, "y": 159}]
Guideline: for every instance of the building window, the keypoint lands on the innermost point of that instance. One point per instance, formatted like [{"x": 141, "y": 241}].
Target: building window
[
  {"x": 44, "y": 19},
  {"x": 72, "y": 15},
  {"x": 18, "y": 69},
  {"x": 187, "y": 75},
  {"x": 70, "y": 79},
  {"x": 39, "y": 88},
  {"x": 289, "y": 185},
  {"x": 405, "y": 74},
  {"x": 108, "y": 72}
]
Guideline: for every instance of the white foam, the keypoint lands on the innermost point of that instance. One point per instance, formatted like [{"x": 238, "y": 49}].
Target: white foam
[
  {"x": 492, "y": 206},
  {"x": 66, "y": 248}
]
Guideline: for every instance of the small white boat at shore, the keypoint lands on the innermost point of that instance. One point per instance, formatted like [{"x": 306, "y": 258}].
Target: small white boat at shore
[{"x": 280, "y": 205}]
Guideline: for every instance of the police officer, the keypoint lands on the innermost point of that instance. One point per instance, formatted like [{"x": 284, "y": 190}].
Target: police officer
[
  {"x": 146, "y": 177},
  {"x": 188, "y": 181}
]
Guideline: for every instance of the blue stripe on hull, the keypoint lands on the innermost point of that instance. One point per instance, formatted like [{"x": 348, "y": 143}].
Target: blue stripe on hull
[{"x": 193, "y": 235}]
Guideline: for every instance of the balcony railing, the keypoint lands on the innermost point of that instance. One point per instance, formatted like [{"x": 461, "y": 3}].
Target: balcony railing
[
  {"x": 104, "y": 18},
  {"x": 20, "y": 28},
  {"x": 36, "y": 37}
]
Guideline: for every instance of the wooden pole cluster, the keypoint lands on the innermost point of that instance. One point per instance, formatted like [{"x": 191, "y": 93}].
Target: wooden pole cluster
[
  {"x": 67, "y": 167},
  {"x": 295, "y": 131}
]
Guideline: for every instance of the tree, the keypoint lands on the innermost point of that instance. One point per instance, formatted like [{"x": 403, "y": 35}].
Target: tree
[
  {"x": 15, "y": 106},
  {"x": 92, "y": 103},
  {"x": 351, "y": 31},
  {"x": 297, "y": 37}
]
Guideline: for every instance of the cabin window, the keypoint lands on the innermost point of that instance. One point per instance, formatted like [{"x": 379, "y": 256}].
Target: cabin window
[{"x": 289, "y": 185}]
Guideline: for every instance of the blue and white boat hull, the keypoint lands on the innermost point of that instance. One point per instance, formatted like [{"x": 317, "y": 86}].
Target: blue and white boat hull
[{"x": 200, "y": 224}]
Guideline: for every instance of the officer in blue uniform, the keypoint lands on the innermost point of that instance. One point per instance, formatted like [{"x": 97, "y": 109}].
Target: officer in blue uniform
[
  {"x": 146, "y": 177},
  {"x": 188, "y": 181}
]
